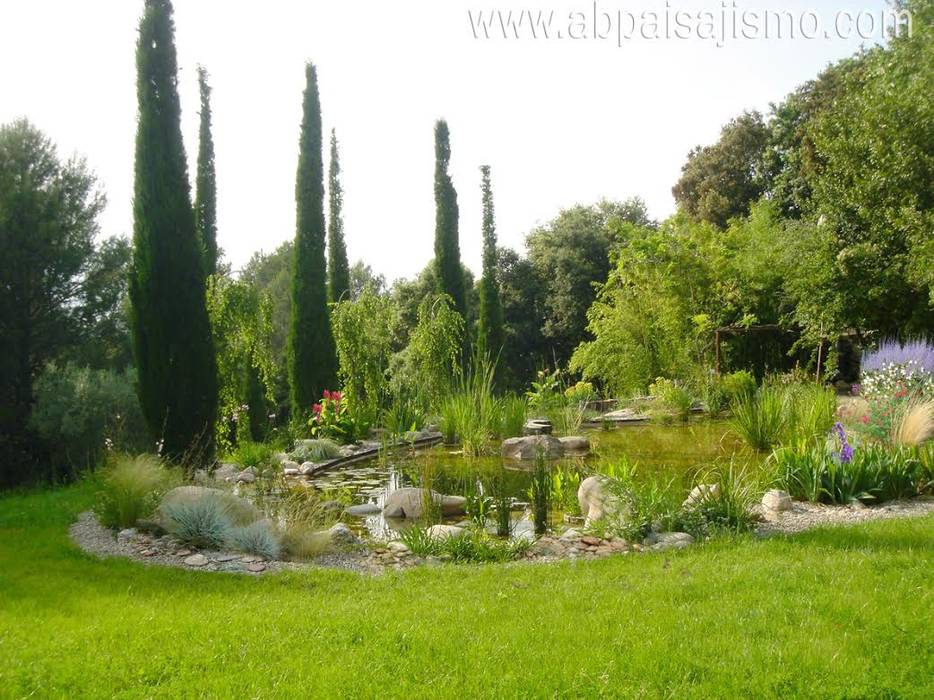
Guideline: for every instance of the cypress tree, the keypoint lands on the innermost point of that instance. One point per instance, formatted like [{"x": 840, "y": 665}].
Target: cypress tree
[
  {"x": 338, "y": 269},
  {"x": 206, "y": 179},
  {"x": 172, "y": 342},
  {"x": 312, "y": 357},
  {"x": 491, "y": 310},
  {"x": 449, "y": 274}
]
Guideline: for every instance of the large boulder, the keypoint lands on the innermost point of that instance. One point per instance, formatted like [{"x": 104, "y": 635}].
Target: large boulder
[
  {"x": 775, "y": 502},
  {"x": 597, "y": 501},
  {"x": 533, "y": 447},
  {"x": 575, "y": 445},
  {"x": 339, "y": 535},
  {"x": 411, "y": 502},
  {"x": 239, "y": 510}
]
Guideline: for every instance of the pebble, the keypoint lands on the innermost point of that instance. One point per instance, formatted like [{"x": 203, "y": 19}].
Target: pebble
[
  {"x": 255, "y": 567},
  {"x": 196, "y": 560},
  {"x": 184, "y": 553}
]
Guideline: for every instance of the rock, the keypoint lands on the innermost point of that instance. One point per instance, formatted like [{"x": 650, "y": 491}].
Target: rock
[
  {"x": 340, "y": 535},
  {"x": 591, "y": 541},
  {"x": 251, "y": 559},
  {"x": 596, "y": 501},
  {"x": 196, "y": 560},
  {"x": 289, "y": 464},
  {"x": 666, "y": 541},
  {"x": 226, "y": 471},
  {"x": 309, "y": 468},
  {"x": 184, "y": 553},
  {"x": 570, "y": 536},
  {"x": 411, "y": 502},
  {"x": 776, "y": 501},
  {"x": 226, "y": 558},
  {"x": 282, "y": 458},
  {"x": 701, "y": 493},
  {"x": 126, "y": 535},
  {"x": 239, "y": 510},
  {"x": 575, "y": 445},
  {"x": 449, "y": 531},
  {"x": 292, "y": 472},
  {"x": 247, "y": 476},
  {"x": 531, "y": 448},
  {"x": 256, "y": 567},
  {"x": 537, "y": 426},
  {"x": 362, "y": 510},
  {"x": 547, "y": 547},
  {"x": 398, "y": 547}
]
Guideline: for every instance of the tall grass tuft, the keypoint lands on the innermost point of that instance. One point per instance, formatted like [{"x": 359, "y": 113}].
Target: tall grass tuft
[
  {"x": 540, "y": 494},
  {"x": 473, "y": 414},
  {"x": 727, "y": 508},
  {"x": 319, "y": 450},
  {"x": 811, "y": 410},
  {"x": 252, "y": 454},
  {"x": 513, "y": 413},
  {"x": 915, "y": 425},
  {"x": 131, "y": 489},
  {"x": 761, "y": 418}
]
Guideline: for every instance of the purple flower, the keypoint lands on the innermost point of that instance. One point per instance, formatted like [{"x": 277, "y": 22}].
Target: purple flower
[
  {"x": 846, "y": 449},
  {"x": 918, "y": 353}
]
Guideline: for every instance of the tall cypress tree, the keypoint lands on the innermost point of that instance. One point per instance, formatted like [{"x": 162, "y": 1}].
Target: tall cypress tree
[
  {"x": 312, "y": 356},
  {"x": 448, "y": 269},
  {"x": 338, "y": 269},
  {"x": 491, "y": 310},
  {"x": 206, "y": 179},
  {"x": 171, "y": 332}
]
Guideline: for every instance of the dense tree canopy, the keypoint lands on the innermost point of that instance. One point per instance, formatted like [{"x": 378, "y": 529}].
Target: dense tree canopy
[
  {"x": 448, "y": 276},
  {"x": 172, "y": 340}
]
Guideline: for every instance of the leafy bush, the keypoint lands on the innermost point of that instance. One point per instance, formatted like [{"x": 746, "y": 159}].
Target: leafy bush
[
  {"x": 582, "y": 392},
  {"x": 203, "y": 523},
  {"x": 738, "y": 385},
  {"x": 334, "y": 418},
  {"x": 673, "y": 397},
  {"x": 82, "y": 413},
  {"x": 252, "y": 454},
  {"x": 131, "y": 489},
  {"x": 645, "y": 503},
  {"x": 257, "y": 538},
  {"x": 319, "y": 450}
]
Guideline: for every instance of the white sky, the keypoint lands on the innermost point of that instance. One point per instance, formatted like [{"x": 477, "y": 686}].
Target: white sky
[{"x": 560, "y": 122}]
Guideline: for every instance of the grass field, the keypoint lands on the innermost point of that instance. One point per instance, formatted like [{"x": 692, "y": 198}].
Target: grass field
[{"x": 845, "y": 613}]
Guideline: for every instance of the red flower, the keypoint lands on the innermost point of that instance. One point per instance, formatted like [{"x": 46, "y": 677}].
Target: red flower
[
  {"x": 327, "y": 395},
  {"x": 336, "y": 396},
  {"x": 316, "y": 409},
  {"x": 865, "y": 420}
]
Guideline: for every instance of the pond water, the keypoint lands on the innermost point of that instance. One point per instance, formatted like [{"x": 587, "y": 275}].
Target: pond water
[{"x": 676, "y": 453}]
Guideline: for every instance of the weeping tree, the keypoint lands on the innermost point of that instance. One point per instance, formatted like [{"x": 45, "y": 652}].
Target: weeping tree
[
  {"x": 171, "y": 331},
  {"x": 206, "y": 180},
  {"x": 449, "y": 275},
  {"x": 490, "y": 338},
  {"x": 312, "y": 357},
  {"x": 338, "y": 268}
]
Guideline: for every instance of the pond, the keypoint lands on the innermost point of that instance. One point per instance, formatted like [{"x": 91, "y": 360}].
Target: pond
[{"x": 676, "y": 453}]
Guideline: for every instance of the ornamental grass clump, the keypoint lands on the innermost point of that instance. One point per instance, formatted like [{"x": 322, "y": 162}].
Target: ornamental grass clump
[
  {"x": 728, "y": 507},
  {"x": 257, "y": 538},
  {"x": 319, "y": 450},
  {"x": 761, "y": 418},
  {"x": 202, "y": 523},
  {"x": 131, "y": 488}
]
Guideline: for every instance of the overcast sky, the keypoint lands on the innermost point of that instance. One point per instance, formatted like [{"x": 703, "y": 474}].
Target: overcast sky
[{"x": 560, "y": 122}]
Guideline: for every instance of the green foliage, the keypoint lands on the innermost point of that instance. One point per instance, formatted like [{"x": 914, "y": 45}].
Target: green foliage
[
  {"x": 257, "y": 538},
  {"x": 644, "y": 503},
  {"x": 474, "y": 546},
  {"x": 252, "y": 454},
  {"x": 48, "y": 219},
  {"x": 540, "y": 495},
  {"x": 432, "y": 359},
  {"x": 673, "y": 397},
  {"x": 472, "y": 413},
  {"x": 738, "y": 385},
  {"x": 241, "y": 323},
  {"x": 721, "y": 181},
  {"x": 334, "y": 418},
  {"x": 319, "y": 450},
  {"x": 404, "y": 413},
  {"x": 761, "y": 419},
  {"x": 172, "y": 342},
  {"x": 490, "y": 335},
  {"x": 206, "y": 180},
  {"x": 514, "y": 411},
  {"x": 728, "y": 508},
  {"x": 364, "y": 334},
  {"x": 450, "y": 279},
  {"x": 82, "y": 413},
  {"x": 130, "y": 490},
  {"x": 202, "y": 523},
  {"x": 546, "y": 392},
  {"x": 312, "y": 356},
  {"x": 338, "y": 270}
]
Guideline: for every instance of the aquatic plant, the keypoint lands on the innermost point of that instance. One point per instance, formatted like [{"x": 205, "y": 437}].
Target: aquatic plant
[
  {"x": 513, "y": 416},
  {"x": 474, "y": 545},
  {"x": 540, "y": 494}
]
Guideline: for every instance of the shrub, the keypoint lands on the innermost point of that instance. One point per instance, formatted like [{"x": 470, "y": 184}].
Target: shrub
[
  {"x": 582, "y": 392},
  {"x": 673, "y": 396},
  {"x": 131, "y": 489},
  {"x": 257, "y": 538},
  {"x": 252, "y": 454},
  {"x": 645, "y": 503},
  {"x": 738, "y": 385},
  {"x": 319, "y": 450},
  {"x": 82, "y": 413},
  {"x": 203, "y": 523},
  {"x": 335, "y": 418},
  {"x": 895, "y": 367}
]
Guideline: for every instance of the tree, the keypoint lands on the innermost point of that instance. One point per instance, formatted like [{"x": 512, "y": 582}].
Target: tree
[
  {"x": 490, "y": 333},
  {"x": 312, "y": 357},
  {"x": 338, "y": 271},
  {"x": 206, "y": 180},
  {"x": 171, "y": 331},
  {"x": 571, "y": 255},
  {"x": 362, "y": 278},
  {"x": 48, "y": 220},
  {"x": 522, "y": 293},
  {"x": 449, "y": 277},
  {"x": 721, "y": 181}
]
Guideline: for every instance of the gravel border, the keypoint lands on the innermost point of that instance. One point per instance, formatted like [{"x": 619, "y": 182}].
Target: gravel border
[{"x": 807, "y": 516}]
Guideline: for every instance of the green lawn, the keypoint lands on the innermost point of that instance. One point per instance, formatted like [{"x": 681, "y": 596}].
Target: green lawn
[{"x": 845, "y": 613}]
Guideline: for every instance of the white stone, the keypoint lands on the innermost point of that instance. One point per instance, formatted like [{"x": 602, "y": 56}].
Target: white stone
[
  {"x": 575, "y": 445},
  {"x": 666, "y": 541},
  {"x": 398, "y": 547},
  {"x": 596, "y": 501},
  {"x": 701, "y": 493},
  {"x": 776, "y": 501},
  {"x": 411, "y": 502},
  {"x": 196, "y": 560},
  {"x": 449, "y": 531}
]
